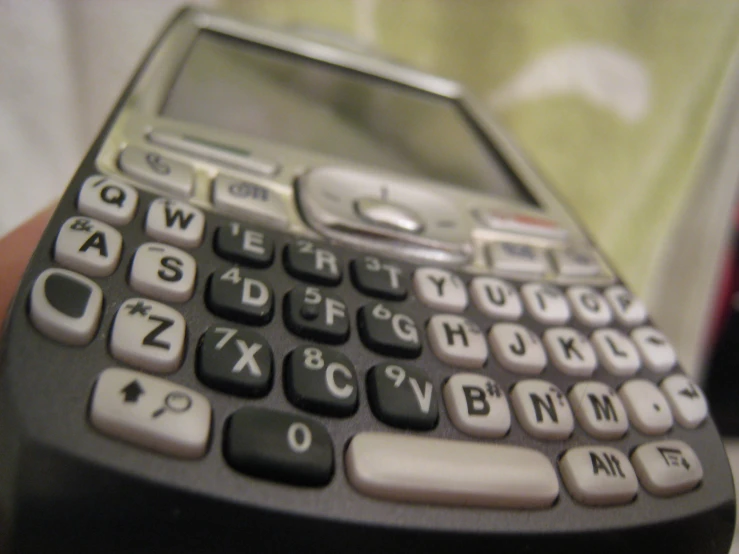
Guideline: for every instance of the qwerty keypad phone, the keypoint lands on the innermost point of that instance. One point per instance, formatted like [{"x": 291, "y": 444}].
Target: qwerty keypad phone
[{"x": 300, "y": 298}]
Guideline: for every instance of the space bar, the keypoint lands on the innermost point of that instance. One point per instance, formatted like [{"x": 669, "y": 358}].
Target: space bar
[{"x": 425, "y": 470}]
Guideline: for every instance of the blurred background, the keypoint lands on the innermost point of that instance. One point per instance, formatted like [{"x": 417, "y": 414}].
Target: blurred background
[{"x": 628, "y": 108}]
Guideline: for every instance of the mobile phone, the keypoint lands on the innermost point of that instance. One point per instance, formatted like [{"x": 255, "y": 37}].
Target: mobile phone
[{"x": 302, "y": 298}]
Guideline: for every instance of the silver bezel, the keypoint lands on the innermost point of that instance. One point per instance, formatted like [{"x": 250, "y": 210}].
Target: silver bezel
[{"x": 139, "y": 115}]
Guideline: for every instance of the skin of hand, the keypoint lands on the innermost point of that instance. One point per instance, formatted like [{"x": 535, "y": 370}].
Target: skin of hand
[{"x": 16, "y": 249}]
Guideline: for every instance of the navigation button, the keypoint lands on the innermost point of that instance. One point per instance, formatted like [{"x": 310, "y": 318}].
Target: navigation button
[
  {"x": 88, "y": 246},
  {"x": 667, "y": 468},
  {"x": 166, "y": 173},
  {"x": 108, "y": 199},
  {"x": 249, "y": 201},
  {"x": 151, "y": 412},
  {"x": 388, "y": 214},
  {"x": 66, "y": 306},
  {"x": 598, "y": 476}
]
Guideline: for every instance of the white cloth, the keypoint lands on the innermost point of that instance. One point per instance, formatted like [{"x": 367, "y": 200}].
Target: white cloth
[{"x": 63, "y": 64}]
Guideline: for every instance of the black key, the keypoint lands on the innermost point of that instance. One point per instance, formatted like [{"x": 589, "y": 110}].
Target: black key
[
  {"x": 279, "y": 446},
  {"x": 235, "y": 360},
  {"x": 312, "y": 314},
  {"x": 234, "y": 295},
  {"x": 321, "y": 380},
  {"x": 244, "y": 245},
  {"x": 402, "y": 396},
  {"x": 310, "y": 262},
  {"x": 67, "y": 295},
  {"x": 378, "y": 277},
  {"x": 388, "y": 332}
]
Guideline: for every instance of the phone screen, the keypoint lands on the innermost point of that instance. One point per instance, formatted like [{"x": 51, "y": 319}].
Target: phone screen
[{"x": 241, "y": 87}]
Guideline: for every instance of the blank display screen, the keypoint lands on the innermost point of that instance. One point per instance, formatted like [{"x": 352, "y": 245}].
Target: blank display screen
[{"x": 234, "y": 85}]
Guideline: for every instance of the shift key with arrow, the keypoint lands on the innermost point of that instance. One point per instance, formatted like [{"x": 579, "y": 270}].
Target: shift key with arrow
[
  {"x": 123, "y": 401},
  {"x": 132, "y": 391}
]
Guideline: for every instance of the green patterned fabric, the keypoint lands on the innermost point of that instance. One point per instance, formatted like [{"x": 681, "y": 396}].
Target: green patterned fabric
[{"x": 611, "y": 100}]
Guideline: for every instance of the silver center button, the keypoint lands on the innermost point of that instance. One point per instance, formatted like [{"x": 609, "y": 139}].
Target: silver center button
[{"x": 387, "y": 214}]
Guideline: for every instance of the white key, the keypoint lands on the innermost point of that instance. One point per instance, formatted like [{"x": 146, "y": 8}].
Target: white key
[
  {"x": 249, "y": 201},
  {"x": 148, "y": 335},
  {"x": 88, "y": 246},
  {"x": 646, "y": 406},
  {"x": 666, "y": 468},
  {"x": 510, "y": 257},
  {"x": 175, "y": 223},
  {"x": 496, "y": 298},
  {"x": 616, "y": 352},
  {"x": 477, "y": 405},
  {"x": 163, "y": 272},
  {"x": 396, "y": 467},
  {"x": 440, "y": 289},
  {"x": 108, "y": 199},
  {"x": 628, "y": 309},
  {"x": 589, "y": 307},
  {"x": 546, "y": 303},
  {"x": 686, "y": 399},
  {"x": 151, "y": 412},
  {"x": 162, "y": 171},
  {"x": 517, "y": 348},
  {"x": 570, "y": 351},
  {"x": 542, "y": 410},
  {"x": 66, "y": 306},
  {"x": 457, "y": 341},
  {"x": 598, "y": 476},
  {"x": 576, "y": 262},
  {"x": 599, "y": 410},
  {"x": 655, "y": 349}
]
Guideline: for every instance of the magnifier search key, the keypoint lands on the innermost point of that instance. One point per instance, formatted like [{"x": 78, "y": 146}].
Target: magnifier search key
[{"x": 151, "y": 412}]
